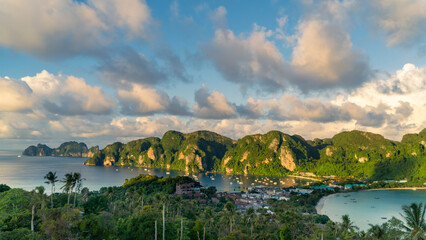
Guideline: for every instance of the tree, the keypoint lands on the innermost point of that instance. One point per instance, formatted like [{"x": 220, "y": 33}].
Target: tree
[
  {"x": 414, "y": 216},
  {"x": 378, "y": 232},
  {"x": 285, "y": 233},
  {"x": 347, "y": 227},
  {"x": 69, "y": 184},
  {"x": 38, "y": 198},
  {"x": 164, "y": 199},
  {"x": 230, "y": 209},
  {"x": 77, "y": 183},
  {"x": 251, "y": 214},
  {"x": 4, "y": 188},
  {"x": 51, "y": 179}
]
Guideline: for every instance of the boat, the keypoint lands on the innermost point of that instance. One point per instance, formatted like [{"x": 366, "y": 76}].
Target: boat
[
  {"x": 348, "y": 195},
  {"x": 116, "y": 169},
  {"x": 19, "y": 156},
  {"x": 167, "y": 173},
  {"x": 384, "y": 217}
]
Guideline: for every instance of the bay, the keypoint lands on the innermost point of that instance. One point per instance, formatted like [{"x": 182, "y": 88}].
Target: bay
[
  {"x": 369, "y": 207},
  {"x": 28, "y": 172}
]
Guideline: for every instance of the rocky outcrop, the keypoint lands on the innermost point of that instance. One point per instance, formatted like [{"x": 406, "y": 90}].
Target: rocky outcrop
[
  {"x": 67, "y": 149},
  {"x": 287, "y": 159}
]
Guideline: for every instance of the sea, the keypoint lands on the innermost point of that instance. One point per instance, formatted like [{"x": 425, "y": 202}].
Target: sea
[
  {"x": 369, "y": 207},
  {"x": 28, "y": 172}
]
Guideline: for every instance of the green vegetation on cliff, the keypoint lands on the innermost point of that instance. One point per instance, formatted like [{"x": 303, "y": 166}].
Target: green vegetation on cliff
[
  {"x": 67, "y": 149},
  {"x": 354, "y": 153}
]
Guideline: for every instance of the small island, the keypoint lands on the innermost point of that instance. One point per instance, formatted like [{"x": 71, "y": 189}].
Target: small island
[{"x": 66, "y": 149}]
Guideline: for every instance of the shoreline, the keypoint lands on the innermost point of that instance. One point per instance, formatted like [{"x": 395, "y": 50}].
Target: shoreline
[
  {"x": 400, "y": 188},
  {"x": 309, "y": 178},
  {"x": 321, "y": 202}
]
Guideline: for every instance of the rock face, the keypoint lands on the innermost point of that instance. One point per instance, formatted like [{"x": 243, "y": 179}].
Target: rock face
[
  {"x": 273, "y": 153},
  {"x": 67, "y": 149},
  {"x": 194, "y": 152}
]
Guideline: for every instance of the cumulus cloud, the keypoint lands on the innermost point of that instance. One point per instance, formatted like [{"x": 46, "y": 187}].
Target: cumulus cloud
[
  {"x": 251, "y": 61},
  {"x": 78, "y": 98},
  {"x": 57, "y": 28},
  {"x": 68, "y": 95},
  {"x": 15, "y": 95},
  {"x": 141, "y": 100},
  {"x": 324, "y": 57},
  {"x": 133, "y": 67},
  {"x": 403, "y": 21},
  {"x": 212, "y": 105},
  {"x": 252, "y": 109},
  {"x": 218, "y": 16}
]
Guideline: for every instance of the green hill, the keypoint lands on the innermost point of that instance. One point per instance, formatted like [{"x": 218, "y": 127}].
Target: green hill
[
  {"x": 355, "y": 153},
  {"x": 67, "y": 149}
]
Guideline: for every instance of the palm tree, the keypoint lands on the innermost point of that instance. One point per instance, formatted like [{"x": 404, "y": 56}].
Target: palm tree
[
  {"x": 251, "y": 214},
  {"x": 69, "y": 184},
  {"x": 230, "y": 209},
  {"x": 347, "y": 227},
  {"x": 378, "y": 232},
  {"x": 161, "y": 197},
  {"x": 77, "y": 183},
  {"x": 130, "y": 195},
  {"x": 51, "y": 179},
  {"x": 38, "y": 193},
  {"x": 414, "y": 216}
]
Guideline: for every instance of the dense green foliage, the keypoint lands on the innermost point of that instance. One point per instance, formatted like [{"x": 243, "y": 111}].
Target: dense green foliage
[
  {"x": 357, "y": 154},
  {"x": 138, "y": 209},
  {"x": 66, "y": 149}
]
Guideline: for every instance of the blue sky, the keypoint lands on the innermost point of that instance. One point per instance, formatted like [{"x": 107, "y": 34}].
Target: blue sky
[{"x": 104, "y": 71}]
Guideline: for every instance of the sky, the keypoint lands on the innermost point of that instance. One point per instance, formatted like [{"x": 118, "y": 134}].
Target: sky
[{"x": 100, "y": 71}]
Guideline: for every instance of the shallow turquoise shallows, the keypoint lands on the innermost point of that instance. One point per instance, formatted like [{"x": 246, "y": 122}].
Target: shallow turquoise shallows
[
  {"x": 369, "y": 207},
  {"x": 28, "y": 172}
]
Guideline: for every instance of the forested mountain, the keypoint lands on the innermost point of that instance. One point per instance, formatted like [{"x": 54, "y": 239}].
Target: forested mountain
[
  {"x": 66, "y": 149},
  {"x": 354, "y": 153}
]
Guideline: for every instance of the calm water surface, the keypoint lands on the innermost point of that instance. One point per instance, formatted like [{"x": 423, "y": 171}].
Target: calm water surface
[
  {"x": 28, "y": 172},
  {"x": 370, "y": 207}
]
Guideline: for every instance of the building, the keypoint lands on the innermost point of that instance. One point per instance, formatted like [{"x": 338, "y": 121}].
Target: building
[{"x": 188, "y": 189}]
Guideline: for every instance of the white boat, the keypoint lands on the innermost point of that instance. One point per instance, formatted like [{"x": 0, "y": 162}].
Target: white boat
[
  {"x": 167, "y": 173},
  {"x": 116, "y": 169},
  {"x": 19, "y": 156}
]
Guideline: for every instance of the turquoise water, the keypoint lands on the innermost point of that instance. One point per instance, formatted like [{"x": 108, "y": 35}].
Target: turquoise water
[
  {"x": 369, "y": 207},
  {"x": 28, "y": 172}
]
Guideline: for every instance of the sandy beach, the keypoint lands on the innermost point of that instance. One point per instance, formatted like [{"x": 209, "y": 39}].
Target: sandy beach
[
  {"x": 303, "y": 177},
  {"x": 321, "y": 202}
]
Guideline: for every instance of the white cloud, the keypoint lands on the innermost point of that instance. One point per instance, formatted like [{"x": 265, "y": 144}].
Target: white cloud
[
  {"x": 63, "y": 28},
  {"x": 43, "y": 83},
  {"x": 323, "y": 57},
  {"x": 15, "y": 95},
  {"x": 218, "y": 16},
  {"x": 251, "y": 61},
  {"x": 145, "y": 100},
  {"x": 67, "y": 95},
  {"x": 403, "y": 21},
  {"x": 142, "y": 100},
  {"x": 212, "y": 105}
]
